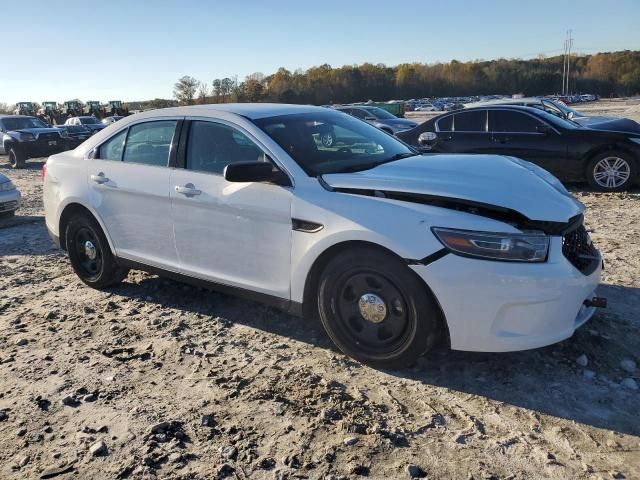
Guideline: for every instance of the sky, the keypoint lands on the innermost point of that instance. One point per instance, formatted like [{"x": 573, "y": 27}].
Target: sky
[{"x": 136, "y": 50}]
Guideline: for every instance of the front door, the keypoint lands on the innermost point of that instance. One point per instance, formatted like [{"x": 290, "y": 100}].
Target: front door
[
  {"x": 237, "y": 234},
  {"x": 129, "y": 181},
  {"x": 525, "y": 136}
]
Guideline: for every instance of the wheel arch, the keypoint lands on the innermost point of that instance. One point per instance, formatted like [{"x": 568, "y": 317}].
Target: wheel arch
[
  {"x": 72, "y": 209},
  {"x": 309, "y": 302}
]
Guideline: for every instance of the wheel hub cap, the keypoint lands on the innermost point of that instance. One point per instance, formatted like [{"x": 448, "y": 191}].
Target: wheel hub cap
[
  {"x": 372, "y": 308},
  {"x": 611, "y": 172},
  {"x": 90, "y": 250}
]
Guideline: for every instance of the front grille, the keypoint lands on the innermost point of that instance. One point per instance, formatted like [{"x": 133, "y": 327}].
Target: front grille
[
  {"x": 8, "y": 206},
  {"x": 578, "y": 249},
  {"x": 49, "y": 136}
]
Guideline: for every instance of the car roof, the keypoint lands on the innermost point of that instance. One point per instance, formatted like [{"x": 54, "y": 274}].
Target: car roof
[
  {"x": 505, "y": 101},
  {"x": 248, "y": 110},
  {"x": 497, "y": 107}
]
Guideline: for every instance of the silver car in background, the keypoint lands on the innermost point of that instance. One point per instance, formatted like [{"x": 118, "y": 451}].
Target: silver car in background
[{"x": 9, "y": 197}]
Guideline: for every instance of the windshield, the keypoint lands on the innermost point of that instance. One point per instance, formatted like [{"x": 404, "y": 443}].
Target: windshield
[
  {"x": 379, "y": 113},
  {"x": 22, "y": 123},
  {"x": 331, "y": 142},
  {"x": 566, "y": 110},
  {"x": 555, "y": 120},
  {"x": 89, "y": 120}
]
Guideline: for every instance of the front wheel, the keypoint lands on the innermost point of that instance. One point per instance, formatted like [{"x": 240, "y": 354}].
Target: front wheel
[
  {"x": 611, "y": 171},
  {"x": 17, "y": 158},
  {"x": 376, "y": 310},
  {"x": 90, "y": 255}
]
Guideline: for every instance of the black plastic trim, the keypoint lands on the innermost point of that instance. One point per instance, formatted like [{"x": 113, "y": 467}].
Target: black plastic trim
[
  {"x": 437, "y": 255},
  {"x": 293, "y": 308},
  {"x": 495, "y": 212},
  {"x": 305, "y": 226},
  {"x": 173, "y": 153}
]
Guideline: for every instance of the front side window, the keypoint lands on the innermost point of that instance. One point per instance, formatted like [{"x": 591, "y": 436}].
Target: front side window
[
  {"x": 149, "y": 143},
  {"x": 512, "y": 122},
  {"x": 112, "y": 148},
  {"x": 213, "y": 146},
  {"x": 354, "y": 145},
  {"x": 473, "y": 121}
]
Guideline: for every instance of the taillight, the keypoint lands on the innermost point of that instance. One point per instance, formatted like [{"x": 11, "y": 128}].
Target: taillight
[{"x": 44, "y": 171}]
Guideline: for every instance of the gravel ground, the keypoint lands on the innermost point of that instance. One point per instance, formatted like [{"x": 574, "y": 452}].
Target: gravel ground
[{"x": 156, "y": 379}]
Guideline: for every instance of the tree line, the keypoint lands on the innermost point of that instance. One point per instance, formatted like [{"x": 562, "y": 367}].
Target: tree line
[{"x": 606, "y": 74}]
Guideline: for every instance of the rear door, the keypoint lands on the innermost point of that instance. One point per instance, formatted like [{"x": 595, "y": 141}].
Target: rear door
[
  {"x": 470, "y": 133},
  {"x": 525, "y": 136},
  {"x": 129, "y": 182},
  {"x": 236, "y": 234}
]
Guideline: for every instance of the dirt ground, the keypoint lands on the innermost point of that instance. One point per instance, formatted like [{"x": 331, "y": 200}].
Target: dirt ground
[{"x": 156, "y": 379}]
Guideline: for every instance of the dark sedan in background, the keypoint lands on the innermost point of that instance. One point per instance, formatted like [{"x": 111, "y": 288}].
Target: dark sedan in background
[
  {"x": 74, "y": 135},
  {"x": 378, "y": 117},
  {"x": 608, "y": 160}
]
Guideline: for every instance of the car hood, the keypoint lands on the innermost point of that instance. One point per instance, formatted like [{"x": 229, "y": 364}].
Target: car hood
[
  {"x": 36, "y": 131},
  {"x": 610, "y": 123},
  {"x": 487, "y": 180}
]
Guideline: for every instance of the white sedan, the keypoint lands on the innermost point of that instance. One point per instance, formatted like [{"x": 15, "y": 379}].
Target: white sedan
[{"x": 394, "y": 251}]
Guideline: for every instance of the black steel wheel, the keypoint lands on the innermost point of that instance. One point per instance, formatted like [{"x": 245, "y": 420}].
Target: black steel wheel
[
  {"x": 89, "y": 252},
  {"x": 376, "y": 309}
]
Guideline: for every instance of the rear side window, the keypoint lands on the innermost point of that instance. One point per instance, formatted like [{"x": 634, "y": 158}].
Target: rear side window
[
  {"x": 213, "y": 146},
  {"x": 149, "y": 143},
  {"x": 513, "y": 122},
  {"x": 445, "y": 124},
  {"x": 474, "y": 121},
  {"x": 112, "y": 148}
]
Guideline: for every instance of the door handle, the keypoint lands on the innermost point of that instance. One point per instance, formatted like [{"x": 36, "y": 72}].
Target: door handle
[
  {"x": 189, "y": 190},
  {"x": 501, "y": 140},
  {"x": 99, "y": 178}
]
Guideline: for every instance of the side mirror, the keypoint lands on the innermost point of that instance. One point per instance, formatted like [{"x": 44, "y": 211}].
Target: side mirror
[
  {"x": 255, "y": 172},
  {"x": 426, "y": 139},
  {"x": 571, "y": 115},
  {"x": 545, "y": 129}
]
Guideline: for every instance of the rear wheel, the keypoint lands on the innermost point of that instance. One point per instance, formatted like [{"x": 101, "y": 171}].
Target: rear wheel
[
  {"x": 376, "y": 309},
  {"x": 90, "y": 255},
  {"x": 611, "y": 171},
  {"x": 17, "y": 158}
]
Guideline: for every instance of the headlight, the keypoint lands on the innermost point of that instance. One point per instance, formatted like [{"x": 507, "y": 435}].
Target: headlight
[
  {"x": 513, "y": 247},
  {"x": 27, "y": 137},
  {"x": 635, "y": 140},
  {"x": 6, "y": 186}
]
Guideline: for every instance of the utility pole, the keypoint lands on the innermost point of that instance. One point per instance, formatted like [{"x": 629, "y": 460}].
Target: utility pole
[
  {"x": 570, "y": 45},
  {"x": 566, "y": 62}
]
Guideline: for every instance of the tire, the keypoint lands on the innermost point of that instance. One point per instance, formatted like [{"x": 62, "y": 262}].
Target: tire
[
  {"x": 94, "y": 264},
  {"x": 17, "y": 158},
  {"x": 620, "y": 165},
  {"x": 390, "y": 336}
]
